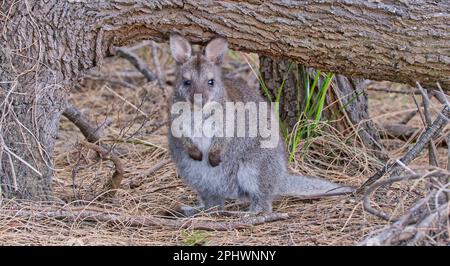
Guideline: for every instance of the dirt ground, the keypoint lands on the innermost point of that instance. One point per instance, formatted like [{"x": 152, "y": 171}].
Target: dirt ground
[{"x": 138, "y": 115}]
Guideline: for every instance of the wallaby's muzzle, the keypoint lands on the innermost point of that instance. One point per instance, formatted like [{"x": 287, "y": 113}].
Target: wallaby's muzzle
[{"x": 199, "y": 99}]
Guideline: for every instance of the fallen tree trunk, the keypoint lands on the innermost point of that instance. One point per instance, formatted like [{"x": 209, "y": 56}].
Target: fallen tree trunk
[
  {"x": 397, "y": 41},
  {"x": 46, "y": 45}
]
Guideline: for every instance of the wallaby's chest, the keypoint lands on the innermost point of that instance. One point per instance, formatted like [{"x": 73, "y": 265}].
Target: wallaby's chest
[
  {"x": 200, "y": 133},
  {"x": 203, "y": 143}
]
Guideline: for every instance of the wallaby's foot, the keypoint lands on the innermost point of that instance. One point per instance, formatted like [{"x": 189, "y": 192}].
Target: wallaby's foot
[
  {"x": 189, "y": 211},
  {"x": 211, "y": 201},
  {"x": 214, "y": 157},
  {"x": 260, "y": 206}
]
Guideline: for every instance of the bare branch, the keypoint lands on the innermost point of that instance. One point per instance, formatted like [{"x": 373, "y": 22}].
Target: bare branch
[
  {"x": 140, "y": 179},
  {"x": 91, "y": 133},
  {"x": 400, "y": 131},
  {"x": 140, "y": 65},
  {"x": 114, "y": 183},
  {"x": 432, "y": 153},
  {"x": 159, "y": 72},
  {"x": 372, "y": 188},
  {"x": 114, "y": 218},
  {"x": 388, "y": 90},
  {"x": 436, "y": 127},
  {"x": 408, "y": 117}
]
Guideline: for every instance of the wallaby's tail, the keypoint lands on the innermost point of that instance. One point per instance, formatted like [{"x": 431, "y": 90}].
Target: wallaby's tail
[{"x": 310, "y": 187}]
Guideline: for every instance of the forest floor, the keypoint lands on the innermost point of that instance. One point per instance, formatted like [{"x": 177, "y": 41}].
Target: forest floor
[{"x": 138, "y": 114}]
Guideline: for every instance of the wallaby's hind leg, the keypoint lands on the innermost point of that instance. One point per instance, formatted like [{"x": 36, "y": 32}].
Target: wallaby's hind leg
[
  {"x": 212, "y": 201},
  {"x": 260, "y": 204},
  {"x": 208, "y": 203}
]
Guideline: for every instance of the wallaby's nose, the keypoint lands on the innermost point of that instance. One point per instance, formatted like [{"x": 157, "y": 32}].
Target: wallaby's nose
[{"x": 199, "y": 99}]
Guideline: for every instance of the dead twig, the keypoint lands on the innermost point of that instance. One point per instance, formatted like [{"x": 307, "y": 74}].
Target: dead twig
[
  {"x": 91, "y": 133},
  {"x": 138, "y": 181},
  {"x": 430, "y": 222},
  {"x": 400, "y": 131},
  {"x": 388, "y": 90},
  {"x": 408, "y": 117},
  {"x": 448, "y": 163},
  {"x": 159, "y": 72},
  {"x": 155, "y": 168},
  {"x": 422, "y": 218},
  {"x": 111, "y": 80},
  {"x": 370, "y": 190},
  {"x": 400, "y": 231},
  {"x": 138, "y": 63},
  {"x": 436, "y": 127},
  {"x": 142, "y": 67},
  {"x": 114, "y": 183},
  {"x": 115, "y": 218},
  {"x": 432, "y": 153},
  {"x": 441, "y": 96}
]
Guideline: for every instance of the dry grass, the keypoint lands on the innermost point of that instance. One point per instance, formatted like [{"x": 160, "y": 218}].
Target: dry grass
[{"x": 138, "y": 111}]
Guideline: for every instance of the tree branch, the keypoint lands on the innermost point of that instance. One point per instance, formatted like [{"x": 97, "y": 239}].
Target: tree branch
[
  {"x": 138, "y": 63},
  {"x": 114, "y": 218},
  {"x": 91, "y": 133},
  {"x": 436, "y": 127},
  {"x": 278, "y": 28},
  {"x": 114, "y": 183},
  {"x": 366, "y": 202}
]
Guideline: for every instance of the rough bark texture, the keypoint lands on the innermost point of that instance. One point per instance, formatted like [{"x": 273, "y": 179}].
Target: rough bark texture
[
  {"x": 292, "y": 99},
  {"x": 355, "y": 103},
  {"x": 403, "y": 41},
  {"x": 46, "y": 45},
  {"x": 32, "y": 97}
]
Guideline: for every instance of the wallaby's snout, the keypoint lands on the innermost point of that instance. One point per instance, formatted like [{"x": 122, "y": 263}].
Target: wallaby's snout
[
  {"x": 199, "y": 99},
  {"x": 199, "y": 76}
]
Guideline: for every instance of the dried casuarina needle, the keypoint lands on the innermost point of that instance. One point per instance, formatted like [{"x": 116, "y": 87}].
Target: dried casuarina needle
[{"x": 113, "y": 218}]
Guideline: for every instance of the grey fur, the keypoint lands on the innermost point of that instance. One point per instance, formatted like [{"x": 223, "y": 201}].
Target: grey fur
[{"x": 231, "y": 168}]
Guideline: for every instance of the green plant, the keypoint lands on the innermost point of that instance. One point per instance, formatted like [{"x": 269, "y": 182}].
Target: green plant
[
  {"x": 194, "y": 238},
  {"x": 310, "y": 115}
]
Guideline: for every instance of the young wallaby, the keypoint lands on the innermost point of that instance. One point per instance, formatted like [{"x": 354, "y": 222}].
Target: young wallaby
[{"x": 219, "y": 167}]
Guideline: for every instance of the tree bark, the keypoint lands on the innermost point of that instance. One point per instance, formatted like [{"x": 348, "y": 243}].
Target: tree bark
[
  {"x": 396, "y": 40},
  {"x": 277, "y": 72},
  {"x": 46, "y": 45},
  {"x": 32, "y": 98},
  {"x": 355, "y": 103}
]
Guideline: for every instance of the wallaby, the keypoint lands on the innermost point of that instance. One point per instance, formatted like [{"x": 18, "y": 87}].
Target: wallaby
[{"x": 220, "y": 168}]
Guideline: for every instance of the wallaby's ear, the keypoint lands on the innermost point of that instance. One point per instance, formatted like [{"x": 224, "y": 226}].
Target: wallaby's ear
[
  {"x": 216, "y": 49},
  {"x": 180, "y": 48}
]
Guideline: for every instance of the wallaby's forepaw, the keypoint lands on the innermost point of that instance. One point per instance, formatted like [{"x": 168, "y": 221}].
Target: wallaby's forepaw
[
  {"x": 214, "y": 158},
  {"x": 195, "y": 153}
]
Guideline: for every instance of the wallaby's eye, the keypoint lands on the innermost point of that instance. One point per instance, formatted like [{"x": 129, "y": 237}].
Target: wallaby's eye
[
  {"x": 211, "y": 82},
  {"x": 187, "y": 82}
]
